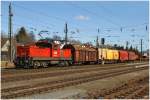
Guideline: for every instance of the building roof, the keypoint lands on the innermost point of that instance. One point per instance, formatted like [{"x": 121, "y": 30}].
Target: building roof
[{"x": 5, "y": 43}]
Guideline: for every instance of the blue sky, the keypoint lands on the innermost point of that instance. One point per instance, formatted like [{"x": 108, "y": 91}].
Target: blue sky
[{"x": 108, "y": 16}]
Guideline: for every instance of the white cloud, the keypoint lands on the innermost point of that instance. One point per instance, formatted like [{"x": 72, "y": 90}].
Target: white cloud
[{"x": 82, "y": 17}]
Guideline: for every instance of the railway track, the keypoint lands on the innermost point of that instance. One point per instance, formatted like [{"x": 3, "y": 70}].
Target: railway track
[
  {"x": 42, "y": 87},
  {"x": 134, "y": 89},
  {"x": 140, "y": 93},
  {"x": 10, "y": 72},
  {"x": 36, "y": 75},
  {"x": 72, "y": 76}
]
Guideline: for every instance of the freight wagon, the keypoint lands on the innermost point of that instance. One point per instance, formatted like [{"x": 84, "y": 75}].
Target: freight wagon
[
  {"x": 82, "y": 54},
  {"x": 108, "y": 55},
  {"x": 123, "y": 56},
  {"x": 132, "y": 56}
]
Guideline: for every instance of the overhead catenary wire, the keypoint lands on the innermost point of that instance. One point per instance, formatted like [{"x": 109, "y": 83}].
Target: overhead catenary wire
[
  {"x": 41, "y": 13},
  {"x": 44, "y": 14},
  {"x": 29, "y": 21},
  {"x": 32, "y": 21},
  {"x": 94, "y": 14},
  {"x": 29, "y": 28},
  {"x": 32, "y": 17},
  {"x": 123, "y": 29},
  {"x": 109, "y": 12},
  {"x": 95, "y": 29},
  {"x": 120, "y": 28}
]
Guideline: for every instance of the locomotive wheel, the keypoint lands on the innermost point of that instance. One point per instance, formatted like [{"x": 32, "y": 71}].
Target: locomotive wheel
[
  {"x": 44, "y": 64},
  {"x": 26, "y": 66},
  {"x": 36, "y": 64}
]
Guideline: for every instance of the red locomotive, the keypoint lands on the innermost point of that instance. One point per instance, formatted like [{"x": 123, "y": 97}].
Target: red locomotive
[{"x": 42, "y": 53}]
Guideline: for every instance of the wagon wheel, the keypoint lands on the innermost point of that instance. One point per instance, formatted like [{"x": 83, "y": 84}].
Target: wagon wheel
[
  {"x": 70, "y": 63},
  {"x": 36, "y": 64},
  {"x": 60, "y": 64},
  {"x": 66, "y": 63}
]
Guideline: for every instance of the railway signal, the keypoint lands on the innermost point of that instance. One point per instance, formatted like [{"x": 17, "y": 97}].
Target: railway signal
[{"x": 102, "y": 41}]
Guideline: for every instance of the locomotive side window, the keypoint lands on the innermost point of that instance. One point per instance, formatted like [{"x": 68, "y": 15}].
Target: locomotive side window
[{"x": 43, "y": 45}]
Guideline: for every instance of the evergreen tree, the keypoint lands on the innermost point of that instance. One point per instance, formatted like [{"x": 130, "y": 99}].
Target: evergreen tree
[{"x": 23, "y": 37}]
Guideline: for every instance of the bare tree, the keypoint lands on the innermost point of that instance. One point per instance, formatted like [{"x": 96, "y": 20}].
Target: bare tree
[
  {"x": 56, "y": 37},
  {"x": 88, "y": 44},
  {"x": 73, "y": 41},
  {"x": 32, "y": 36}
]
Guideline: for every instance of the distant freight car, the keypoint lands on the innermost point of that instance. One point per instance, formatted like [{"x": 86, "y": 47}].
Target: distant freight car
[
  {"x": 102, "y": 54},
  {"x": 109, "y": 55},
  {"x": 132, "y": 56},
  {"x": 82, "y": 54},
  {"x": 115, "y": 55},
  {"x": 123, "y": 56}
]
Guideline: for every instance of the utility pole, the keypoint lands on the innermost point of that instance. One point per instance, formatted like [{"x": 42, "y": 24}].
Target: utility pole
[
  {"x": 10, "y": 32},
  {"x": 97, "y": 40},
  {"x": 97, "y": 43},
  {"x": 97, "y": 46},
  {"x": 127, "y": 43},
  {"x": 66, "y": 31},
  {"x": 141, "y": 49}
]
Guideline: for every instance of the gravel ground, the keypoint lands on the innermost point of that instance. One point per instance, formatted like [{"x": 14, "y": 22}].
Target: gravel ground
[{"x": 79, "y": 91}]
